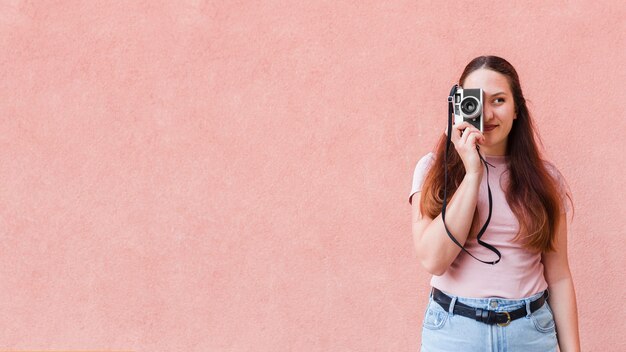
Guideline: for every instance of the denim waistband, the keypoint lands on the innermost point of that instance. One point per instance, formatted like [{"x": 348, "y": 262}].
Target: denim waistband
[{"x": 494, "y": 303}]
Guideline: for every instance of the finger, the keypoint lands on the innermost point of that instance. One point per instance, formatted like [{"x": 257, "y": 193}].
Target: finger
[
  {"x": 474, "y": 135},
  {"x": 462, "y": 125},
  {"x": 465, "y": 127},
  {"x": 466, "y": 133},
  {"x": 474, "y": 138},
  {"x": 453, "y": 131},
  {"x": 460, "y": 130}
]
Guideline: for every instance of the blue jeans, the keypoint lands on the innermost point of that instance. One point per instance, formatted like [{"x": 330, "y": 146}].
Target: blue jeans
[{"x": 444, "y": 331}]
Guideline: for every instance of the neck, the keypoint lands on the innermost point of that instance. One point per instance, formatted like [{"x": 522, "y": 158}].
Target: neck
[
  {"x": 494, "y": 150},
  {"x": 486, "y": 153}
]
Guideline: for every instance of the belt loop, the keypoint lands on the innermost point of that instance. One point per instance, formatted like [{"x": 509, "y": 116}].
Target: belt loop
[
  {"x": 528, "y": 312},
  {"x": 452, "y": 303}
]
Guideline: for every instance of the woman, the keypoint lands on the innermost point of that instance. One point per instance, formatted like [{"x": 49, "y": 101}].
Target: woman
[{"x": 526, "y": 301}]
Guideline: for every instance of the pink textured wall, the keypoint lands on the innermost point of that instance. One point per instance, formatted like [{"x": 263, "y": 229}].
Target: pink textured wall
[{"x": 232, "y": 176}]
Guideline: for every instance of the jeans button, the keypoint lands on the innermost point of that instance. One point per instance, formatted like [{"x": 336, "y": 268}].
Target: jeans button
[{"x": 494, "y": 304}]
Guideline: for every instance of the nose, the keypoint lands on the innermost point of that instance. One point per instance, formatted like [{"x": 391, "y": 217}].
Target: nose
[{"x": 487, "y": 113}]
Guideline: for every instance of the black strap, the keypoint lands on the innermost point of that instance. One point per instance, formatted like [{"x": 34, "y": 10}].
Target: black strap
[{"x": 445, "y": 189}]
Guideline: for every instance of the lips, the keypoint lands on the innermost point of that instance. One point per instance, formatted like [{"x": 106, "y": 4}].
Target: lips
[{"x": 487, "y": 128}]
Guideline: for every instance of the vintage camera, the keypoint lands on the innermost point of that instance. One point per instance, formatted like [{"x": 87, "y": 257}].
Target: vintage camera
[{"x": 468, "y": 106}]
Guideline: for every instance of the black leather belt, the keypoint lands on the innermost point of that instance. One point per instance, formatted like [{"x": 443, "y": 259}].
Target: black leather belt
[{"x": 483, "y": 315}]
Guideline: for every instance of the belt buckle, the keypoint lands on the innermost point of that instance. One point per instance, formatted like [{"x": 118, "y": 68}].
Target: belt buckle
[{"x": 508, "y": 321}]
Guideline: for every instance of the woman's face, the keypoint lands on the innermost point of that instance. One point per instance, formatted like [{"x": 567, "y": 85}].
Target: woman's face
[{"x": 498, "y": 108}]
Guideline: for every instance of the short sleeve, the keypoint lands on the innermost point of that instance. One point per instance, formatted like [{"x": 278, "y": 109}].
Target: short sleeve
[
  {"x": 563, "y": 189},
  {"x": 422, "y": 167}
]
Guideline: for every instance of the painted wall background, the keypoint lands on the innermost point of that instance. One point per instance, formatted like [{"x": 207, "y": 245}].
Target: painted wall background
[{"x": 233, "y": 176}]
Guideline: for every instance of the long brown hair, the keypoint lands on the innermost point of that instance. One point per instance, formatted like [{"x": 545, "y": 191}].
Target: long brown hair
[{"x": 533, "y": 193}]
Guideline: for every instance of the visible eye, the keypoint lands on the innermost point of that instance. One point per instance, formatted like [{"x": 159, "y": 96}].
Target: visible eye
[{"x": 500, "y": 99}]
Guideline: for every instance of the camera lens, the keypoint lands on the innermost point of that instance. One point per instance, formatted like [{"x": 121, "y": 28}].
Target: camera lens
[{"x": 470, "y": 106}]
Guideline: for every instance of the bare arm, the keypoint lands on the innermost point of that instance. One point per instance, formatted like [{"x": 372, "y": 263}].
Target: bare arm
[
  {"x": 562, "y": 298},
  {"x": 435, "y": 250}
]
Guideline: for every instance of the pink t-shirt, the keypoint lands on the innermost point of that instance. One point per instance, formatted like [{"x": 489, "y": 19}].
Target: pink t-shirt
[{"x": 519, "y": 273}]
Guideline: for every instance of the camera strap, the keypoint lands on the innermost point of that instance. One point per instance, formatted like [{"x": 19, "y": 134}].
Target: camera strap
[{"x": 445, "y": 188}]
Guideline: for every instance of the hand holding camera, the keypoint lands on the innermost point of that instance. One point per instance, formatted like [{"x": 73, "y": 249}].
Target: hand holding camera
[
  {"x": 468, "y": 127},
  {"x": 465, "y": 137}
]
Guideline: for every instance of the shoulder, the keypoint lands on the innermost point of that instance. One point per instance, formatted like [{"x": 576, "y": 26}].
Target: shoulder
[
  {"x": 554, "y": 171},
  {"x": 561, "y": 184},
  {"x": 425, "y": 162},
  {"x": 422, "y": 167}
]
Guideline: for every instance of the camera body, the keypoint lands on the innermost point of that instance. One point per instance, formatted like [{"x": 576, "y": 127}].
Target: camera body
[{"x": 468, "y": 106}]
